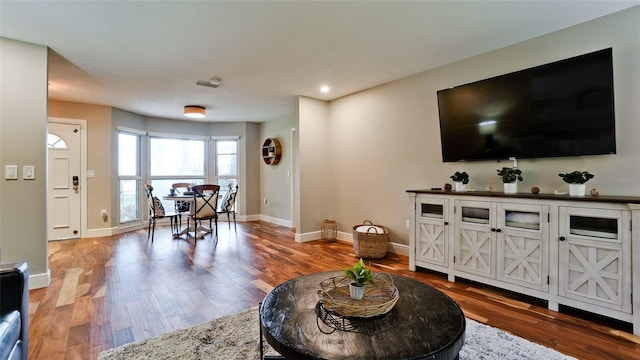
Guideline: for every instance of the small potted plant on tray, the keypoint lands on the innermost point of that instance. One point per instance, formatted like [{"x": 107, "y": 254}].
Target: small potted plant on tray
[
  {"x": 576, "y": 180},
  {"x": 510, "y": 178},
  {"x": 461, "y": 179},
  {"x": 359, "y": 276}
]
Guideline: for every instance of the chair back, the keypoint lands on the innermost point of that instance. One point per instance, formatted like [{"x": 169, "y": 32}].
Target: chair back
[
  {"x": 181, "y": 206},
  {"x": 229, "y": 200},
  {"x": 205, "y": 201},
  {"x": 156, "y": 209}
]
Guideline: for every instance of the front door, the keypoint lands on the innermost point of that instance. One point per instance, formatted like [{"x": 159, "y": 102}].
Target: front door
[{"x": 63, "y": 146}]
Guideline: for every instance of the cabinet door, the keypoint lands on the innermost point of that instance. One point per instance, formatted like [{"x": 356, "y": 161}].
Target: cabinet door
[
  {"x": 432, "y": 231},
  {"x": 474, "y": 239},
  {"x": 523, "y": 245},
  {"x": 593, "y": 266}
]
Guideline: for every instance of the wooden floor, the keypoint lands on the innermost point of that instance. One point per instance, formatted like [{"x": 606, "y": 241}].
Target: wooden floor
[{"x": 110, "y": 291}]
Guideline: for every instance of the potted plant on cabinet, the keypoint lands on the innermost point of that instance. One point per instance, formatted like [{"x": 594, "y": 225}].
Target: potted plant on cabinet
[
  {"x": 360, "y": 276},
  {"x": 461, "y": 179},
  {"x": 576, "y": 180},
  {"x": 510, "y": 178}
]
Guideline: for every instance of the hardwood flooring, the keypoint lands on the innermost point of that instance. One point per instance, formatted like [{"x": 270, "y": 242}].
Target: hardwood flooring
[{"x": 110, "y": 291}]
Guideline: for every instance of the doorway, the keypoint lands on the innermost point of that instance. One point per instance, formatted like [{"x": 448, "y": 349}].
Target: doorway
[{"x": 66, "y": 189}]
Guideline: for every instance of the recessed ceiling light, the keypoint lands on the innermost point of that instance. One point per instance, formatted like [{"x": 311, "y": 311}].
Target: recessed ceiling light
[{"x": 324, "y": 89}]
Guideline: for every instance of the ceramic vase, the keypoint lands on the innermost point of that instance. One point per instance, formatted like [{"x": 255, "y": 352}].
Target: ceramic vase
[
  {"x": 577, "y": 189},
  {"x": 356, "y": 292},
  {"x": 460, "y": 186},
  {"x": 511, "y": 188}
]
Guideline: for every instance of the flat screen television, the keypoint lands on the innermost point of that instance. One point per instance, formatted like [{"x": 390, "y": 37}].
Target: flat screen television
[{"x": 564, "y": 108}]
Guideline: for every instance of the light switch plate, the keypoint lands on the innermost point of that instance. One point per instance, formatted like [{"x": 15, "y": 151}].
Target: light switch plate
[
  {"x": 11, "y": 172},
  {"x": 28, "y": 172}
]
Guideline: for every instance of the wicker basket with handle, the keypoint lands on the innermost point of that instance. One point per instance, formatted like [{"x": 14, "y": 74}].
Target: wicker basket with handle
[{"x": 370, "y": 241}]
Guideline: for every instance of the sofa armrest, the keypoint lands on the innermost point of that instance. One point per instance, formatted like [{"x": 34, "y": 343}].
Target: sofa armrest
[{"x": 14, "y": 295}]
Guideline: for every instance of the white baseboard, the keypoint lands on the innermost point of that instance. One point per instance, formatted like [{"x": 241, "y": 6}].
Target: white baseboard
[
  {"x": 37, "y": 281},
  {"x": 277, "y": 221},
  {"x": 101, "y": 232},
  {"x": 310, "y": 236}
]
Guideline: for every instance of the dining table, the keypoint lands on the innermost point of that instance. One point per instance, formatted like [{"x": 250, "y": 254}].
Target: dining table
[{"x": 199, "y": 231}]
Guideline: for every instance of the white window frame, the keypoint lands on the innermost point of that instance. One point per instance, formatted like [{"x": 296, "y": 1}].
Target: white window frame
[{"x": 138, "y": 177}]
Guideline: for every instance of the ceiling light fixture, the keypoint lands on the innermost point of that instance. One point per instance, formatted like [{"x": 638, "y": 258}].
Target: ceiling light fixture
[
  {"x": 324, "y": 89},
  {"x": 194, "y": 111}
]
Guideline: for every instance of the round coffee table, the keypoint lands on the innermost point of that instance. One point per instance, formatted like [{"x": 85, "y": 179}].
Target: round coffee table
[{"x": 425, "y": 323}]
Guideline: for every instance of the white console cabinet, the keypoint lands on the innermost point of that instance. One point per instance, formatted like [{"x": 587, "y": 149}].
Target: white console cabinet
[{"x": 574, "y": 251}]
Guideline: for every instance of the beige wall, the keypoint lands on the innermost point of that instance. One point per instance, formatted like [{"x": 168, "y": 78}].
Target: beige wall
[
  {"x": 315, "y": 164},
  {"x": 276, "y": 179},
  {"x": 23, "y": 130},
  {"x": 386, "y": 140}
]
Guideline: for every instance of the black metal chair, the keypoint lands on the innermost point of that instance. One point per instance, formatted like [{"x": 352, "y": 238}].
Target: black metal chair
[
  {"x": 228, "y": 205},
  {"x": 156, "y": 211},
  {"x": 181, "y": 207},
  {"x": 205, "y": 203}
]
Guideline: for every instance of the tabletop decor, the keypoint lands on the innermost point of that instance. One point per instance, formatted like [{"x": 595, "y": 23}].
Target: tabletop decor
[
  {"x": 461, "y": 180},
  {"x": 360, "y": 276},
  {"x": 576, "y": 180},
  {"x": 510, "y": 178},
  {"x": 380, "y": 296}
]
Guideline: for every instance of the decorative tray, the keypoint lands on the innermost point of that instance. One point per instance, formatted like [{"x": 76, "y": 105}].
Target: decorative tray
[{"x": 379, "y": 297}]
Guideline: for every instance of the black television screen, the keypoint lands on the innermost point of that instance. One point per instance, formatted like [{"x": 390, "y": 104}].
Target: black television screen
[{"x": 564, "y": 108}]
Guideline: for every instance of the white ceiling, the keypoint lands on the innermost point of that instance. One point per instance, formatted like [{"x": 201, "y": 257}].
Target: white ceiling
[{"x": 146, "y": 56}]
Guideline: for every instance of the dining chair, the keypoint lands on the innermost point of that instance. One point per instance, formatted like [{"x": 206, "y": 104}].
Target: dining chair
[
  {"x": 205, "y": 203},
  {"x": 181, "y": 207},
  {"x": 228, "y": 205},
  {"x": 156, "y": 211}
]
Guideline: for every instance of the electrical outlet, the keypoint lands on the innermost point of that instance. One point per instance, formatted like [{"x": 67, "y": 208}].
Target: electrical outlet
[
  {"x": 266, "y": 201},
  {"x": 408, "y": 224},
  {"x": 103, "y": 212}
]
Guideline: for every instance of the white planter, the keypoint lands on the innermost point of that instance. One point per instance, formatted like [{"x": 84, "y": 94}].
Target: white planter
[
  {"x": 511, "y": 188},
  {"x": 577, "y": 189},
  {"x": 460, "y": 186},
  {"x": 356, "y": 292}
]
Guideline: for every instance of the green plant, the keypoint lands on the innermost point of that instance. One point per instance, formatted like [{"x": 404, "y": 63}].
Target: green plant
[
  {"x": 576, "y": 177},
  {"x": 359, "y": 274},
  {"x": 462, "y": 177},
  {"x": 510, "y": 175}
]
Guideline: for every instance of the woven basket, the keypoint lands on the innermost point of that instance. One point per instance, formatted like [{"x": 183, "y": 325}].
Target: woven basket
[
  {"x": 371, "y": 244},
  {"x": 379, "y": 297}
]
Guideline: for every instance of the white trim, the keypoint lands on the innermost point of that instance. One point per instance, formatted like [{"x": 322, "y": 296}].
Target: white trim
[
  {"x": 310, "y": 236},
  {"x": 223, "y": 137},
  {"x": 131, "y": 130},
  {"x": 177, "y": 136},
  {"x": 42, "y": 280},
  {"x": 274, "y": 220},
  {"x": 101, "y": 232}
]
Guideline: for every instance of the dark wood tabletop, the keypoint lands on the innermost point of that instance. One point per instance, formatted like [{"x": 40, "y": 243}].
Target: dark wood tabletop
[{"x": 424, "y": 324}]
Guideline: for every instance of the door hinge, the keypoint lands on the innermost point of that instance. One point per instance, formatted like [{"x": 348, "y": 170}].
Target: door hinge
[
  {"x": 454, "y": 259},
  {"x": 548, "y": 280},
  {"x": 548, "y": 218}
]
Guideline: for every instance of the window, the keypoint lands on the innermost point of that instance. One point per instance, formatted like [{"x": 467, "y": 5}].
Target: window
[
  {"x": 226, "y": 164},
  {"x": 175, "y": 160},
  {"x": 55, "y": 142},
  {"x": 128, "y": 176}
]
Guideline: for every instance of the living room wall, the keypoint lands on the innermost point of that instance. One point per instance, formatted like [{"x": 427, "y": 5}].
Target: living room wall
[
  {"x": 386, "y": 140},
  {"x": 23, "y": 131}
]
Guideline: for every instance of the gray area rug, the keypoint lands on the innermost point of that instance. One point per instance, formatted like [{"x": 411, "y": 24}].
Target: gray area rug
[{"x": 236, "y": 337}]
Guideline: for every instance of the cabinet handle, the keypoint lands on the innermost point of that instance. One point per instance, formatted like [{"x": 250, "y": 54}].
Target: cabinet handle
[
  {"x": 446, "y": 223},
  {"x": 493, "y": 229},
  {"x": 498, "y": 230},
  {"x": 562, "y": 238}
]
